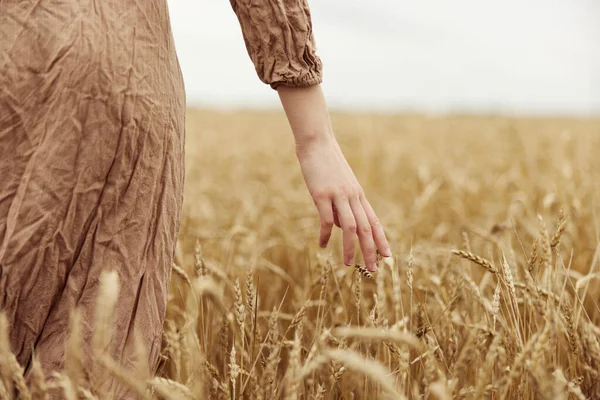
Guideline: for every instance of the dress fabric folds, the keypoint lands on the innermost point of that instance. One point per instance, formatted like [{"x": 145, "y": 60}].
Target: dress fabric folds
[{"x": 92, "y": 135}]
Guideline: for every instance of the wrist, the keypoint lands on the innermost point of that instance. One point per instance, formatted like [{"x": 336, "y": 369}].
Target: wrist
[
  {"x": 307, "y": 142},
  {"x": 311, "y": 137}
]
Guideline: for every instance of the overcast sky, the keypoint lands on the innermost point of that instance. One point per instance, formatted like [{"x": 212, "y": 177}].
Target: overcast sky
[{"x": 513, "y": 56}]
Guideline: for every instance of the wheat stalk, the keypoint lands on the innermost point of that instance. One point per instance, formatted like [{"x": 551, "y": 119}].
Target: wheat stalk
[
  {"x": 362, "y": 270},
  {"x": 560, "y": 228},
  {"x": 372, "y": 369},
  {"x": 475, "y": 259}
]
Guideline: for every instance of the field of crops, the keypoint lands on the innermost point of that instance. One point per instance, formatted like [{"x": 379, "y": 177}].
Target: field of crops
[{"x": 493, "y": 290}]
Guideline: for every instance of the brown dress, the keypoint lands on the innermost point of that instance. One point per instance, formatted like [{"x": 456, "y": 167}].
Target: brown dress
[{"x": 92, "y": 111}]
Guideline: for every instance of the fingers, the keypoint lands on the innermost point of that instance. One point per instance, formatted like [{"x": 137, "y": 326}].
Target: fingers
[
  {"x": 378, "y": 233},
  {"x": 365, "y": 234},
  {"x": 356, "y": 217},
  {"x": 336, "y": 219},
  {"x": 325, "y": 208},
  {"x": 348, "y": 223}
]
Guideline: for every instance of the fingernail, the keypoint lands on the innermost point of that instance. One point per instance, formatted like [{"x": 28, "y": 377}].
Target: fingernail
[
  {"x": 387, "y": 252},
  {"x": 372, "y": 267}
]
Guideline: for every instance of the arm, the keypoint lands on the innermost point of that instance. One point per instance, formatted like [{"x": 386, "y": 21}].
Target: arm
[
  {"x": 332, "y": 184},
  {"x": 279, "y": 40}
]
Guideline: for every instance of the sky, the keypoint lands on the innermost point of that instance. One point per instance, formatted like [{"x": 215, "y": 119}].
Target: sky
[{"x": 432, "y": 56}]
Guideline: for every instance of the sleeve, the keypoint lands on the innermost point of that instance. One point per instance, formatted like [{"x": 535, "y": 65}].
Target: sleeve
[{"x": 279, "y": 39}]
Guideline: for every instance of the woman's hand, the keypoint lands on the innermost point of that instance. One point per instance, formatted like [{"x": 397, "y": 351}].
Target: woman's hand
[{"x": 333, "y": 186}]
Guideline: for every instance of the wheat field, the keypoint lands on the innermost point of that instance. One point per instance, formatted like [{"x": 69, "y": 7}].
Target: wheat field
[{"x": 493, "y": 290}]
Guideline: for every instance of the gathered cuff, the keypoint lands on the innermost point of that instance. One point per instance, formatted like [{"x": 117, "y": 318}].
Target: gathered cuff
[
  {"x": 280, "y": 42},
  {"x": 310, "y": 79}
]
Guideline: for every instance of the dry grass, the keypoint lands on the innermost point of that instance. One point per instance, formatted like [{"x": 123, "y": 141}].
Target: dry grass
[{"x": 257, "y": 311}]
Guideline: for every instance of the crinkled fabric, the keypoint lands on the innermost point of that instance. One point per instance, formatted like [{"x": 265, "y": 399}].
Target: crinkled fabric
[
  {"x": 92, "y": 110},
  {"x": 280, "y": 41}
]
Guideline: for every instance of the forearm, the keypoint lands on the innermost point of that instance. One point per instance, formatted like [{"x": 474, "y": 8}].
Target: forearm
[
  {"x": 333, "y": 186},
  {"x": 307, "y": 113}
]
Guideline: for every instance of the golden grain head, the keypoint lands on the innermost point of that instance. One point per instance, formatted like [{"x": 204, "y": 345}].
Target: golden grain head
[{"x": 361, "y": 269}]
